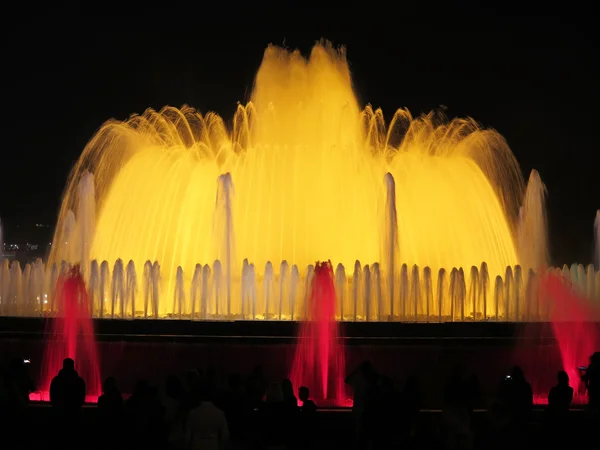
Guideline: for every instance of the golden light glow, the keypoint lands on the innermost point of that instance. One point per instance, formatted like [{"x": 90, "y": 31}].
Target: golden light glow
[{"x": 308, "y": 168}]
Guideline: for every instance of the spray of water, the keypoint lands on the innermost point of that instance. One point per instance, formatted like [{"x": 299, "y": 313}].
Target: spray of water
[
  {"x": 225, "y": 232},
  {"x": 532, "y": 232},
  {"x": 319, "y": 361},
  {"x": 309, "y": 167},
  {"x": 70, "y": 334},
  {"x": 391, "y": 238},
  {"x": 575, "y": 330}
]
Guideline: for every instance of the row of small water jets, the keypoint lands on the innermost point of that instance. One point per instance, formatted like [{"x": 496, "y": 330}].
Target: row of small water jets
[{"x": 366, "y": 294}]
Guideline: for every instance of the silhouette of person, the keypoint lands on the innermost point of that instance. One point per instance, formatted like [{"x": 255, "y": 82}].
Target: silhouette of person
[
  {"x": 145, "y": 413},
  {"x": 363, "y": 380},
  {"x": 308, "y": 406},
  {"x": 307, "y": 428},
  {"x": 556, "y": 432},
  {"x": 211, "y": 381},
  {"x": 110, "y": 412},
  {"x": 289, "y": 399},
  {"x": 256, "y": 386},
  {"x": 289, "y": 410},
  {"x": 175, "y": 412},
  {"x": 173, "y": 396},
  {"x": 235, "y": 406},
  {"x": 591, "y": 378},
  {"x": 457, "y": 410},
  {"x": 67, "y": 390},
  {"x": 19, "y": 379},
  {"x": 67, "y": 395},
  {"x": 520, "y": 395},
  {"x": 410, "y": 405},
  {"x": 473, "y": 392},
  {"x": 110, "y": 403},
  {"x": 272, "y": 419},
  {"x": 14, "y": 397},
  {"x": 360, "y": 380},
  {"x": 386, "y": 414},
  {"x": 561, "y": 395},
  {"x": 517, "y": 397},
  {"x": 193, "y": 381},
  {"x": 206, "y": 424}
]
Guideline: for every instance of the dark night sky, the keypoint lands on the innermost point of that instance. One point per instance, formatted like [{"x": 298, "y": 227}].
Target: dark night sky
[{"x": 534, "y": 79}]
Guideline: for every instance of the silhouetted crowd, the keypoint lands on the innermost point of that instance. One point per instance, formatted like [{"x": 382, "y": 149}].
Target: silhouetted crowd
[{"x": 196, "y": 412}]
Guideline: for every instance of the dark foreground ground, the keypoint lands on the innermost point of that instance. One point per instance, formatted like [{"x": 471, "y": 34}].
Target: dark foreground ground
[
  {"x": 335, "y": 431},
  {"x": 154, "y": 349}
]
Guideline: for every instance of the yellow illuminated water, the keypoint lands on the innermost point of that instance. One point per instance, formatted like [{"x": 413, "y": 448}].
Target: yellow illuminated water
[{"x": 308, "y": 167}]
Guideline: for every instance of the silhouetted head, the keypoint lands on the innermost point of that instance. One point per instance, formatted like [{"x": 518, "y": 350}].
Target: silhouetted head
[
  {"x": 173, "y": 387},
  {"x": 207, "y": 393},
  {"x": 192, "y": 378},
  {"x": 211, "y": 374},
  {"x": 412, "y": 383},
  {"x": 109, "y": 385},
  {"x": 387, "y": 383},
  {"x": 368, "y": 371},
  {"x": 366, "y": 367},
  {"x": 152, "y": 392},
  {"x": 517, "y": 374},
  {"x": 595, "y": 359},
  {"x": 234, "y": 382},
  {"x": 287, "y": 388},
  {"x": 68, "y": 364},
  {"x": 303, "y": 393},
  {"x": 274, "y": 393},
  {"x": 458, "y": 372},
  {"x": 141, "y": 387},
  {"x": 563, "y": 378}
]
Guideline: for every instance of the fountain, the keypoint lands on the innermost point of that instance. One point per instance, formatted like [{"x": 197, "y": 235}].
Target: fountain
[
  {"x": 319, "y": 361},
  {"x": 70, "y": 334},
  {"x": 576, "y": 333},
  {"x": 314, "y": 175}
]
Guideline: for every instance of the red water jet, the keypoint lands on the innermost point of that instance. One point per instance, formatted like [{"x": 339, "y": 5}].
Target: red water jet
[
  {"x": 70, "y": 334},
  {"x": 319, "y": 361},
  {"x": 576, "y": 332}
]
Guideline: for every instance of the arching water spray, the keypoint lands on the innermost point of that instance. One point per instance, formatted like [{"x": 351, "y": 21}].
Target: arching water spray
[
  {"x": 532, "y": 229},
  {"x": 304, "y": 159}
]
